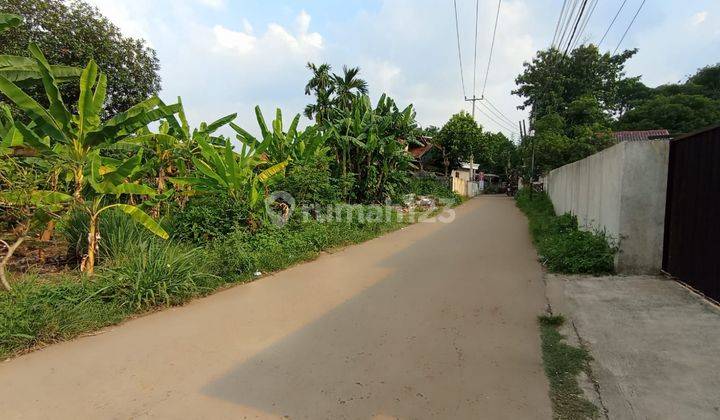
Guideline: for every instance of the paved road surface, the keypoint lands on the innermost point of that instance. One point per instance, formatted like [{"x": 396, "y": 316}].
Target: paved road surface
[{"x": 433, "y": 321}]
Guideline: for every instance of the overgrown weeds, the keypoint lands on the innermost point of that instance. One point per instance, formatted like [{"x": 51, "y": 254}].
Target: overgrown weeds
[
  {"x": 563, "y": 363},
  {"x": 141, "y": 273},
  {"x": 562, "y": 246}
]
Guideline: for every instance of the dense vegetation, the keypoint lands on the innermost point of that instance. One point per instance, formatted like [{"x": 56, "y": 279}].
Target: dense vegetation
[
  {"x": 71, "y": 33},
  {"x": 152, "y": 213},
  {"x": 577, "y": 100},
  {"x": 563, "y": 248}
]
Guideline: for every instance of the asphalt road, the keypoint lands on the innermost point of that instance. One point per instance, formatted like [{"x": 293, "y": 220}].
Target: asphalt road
[{"x": 433, "y": 321}]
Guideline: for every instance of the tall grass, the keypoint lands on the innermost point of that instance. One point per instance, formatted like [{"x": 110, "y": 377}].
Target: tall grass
[
  {"x": 118, "y": 232},
  {"x": 157, "y": 273},
  {"x": 563, "y": 248},
  {"x": 141, "y": 273}
]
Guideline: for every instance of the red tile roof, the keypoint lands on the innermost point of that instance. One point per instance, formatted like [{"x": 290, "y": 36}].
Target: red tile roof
[
  {"x": 417, "y": 151},
  {"x": 640, "y": 135}
]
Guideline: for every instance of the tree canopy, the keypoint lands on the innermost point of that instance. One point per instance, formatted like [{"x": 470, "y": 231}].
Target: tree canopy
[
  {"x": 577, "y": 100},
  {"x": 459, "y": 138},
  {"x": 72, "y": 33},
  {"x": 677, "y": 107},
  {"x": 552, "y": 82}
]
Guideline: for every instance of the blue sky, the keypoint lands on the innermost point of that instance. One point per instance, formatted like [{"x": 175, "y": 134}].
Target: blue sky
[{"x": 225, "y": 56}]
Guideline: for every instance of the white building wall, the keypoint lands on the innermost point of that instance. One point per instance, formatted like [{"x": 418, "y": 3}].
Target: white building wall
[{"x": 620, "y": 190}]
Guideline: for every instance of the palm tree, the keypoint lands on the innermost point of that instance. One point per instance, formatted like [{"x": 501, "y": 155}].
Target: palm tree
[
  {"x": 348, "y": 86},
  {"x": 322, "y": 86}
]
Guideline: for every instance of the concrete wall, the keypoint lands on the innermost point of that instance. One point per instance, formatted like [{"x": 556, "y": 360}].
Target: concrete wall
[
  {"x": 465, "y": 188},
  {"x": 620, "y": 190}
]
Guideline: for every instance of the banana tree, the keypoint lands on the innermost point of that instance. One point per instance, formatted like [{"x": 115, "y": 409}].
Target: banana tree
[
  {"x": 231, "y": 173},
  {"x": 174, "y": 145},
  {"x": 22, "y": 69},
  {"x": 279, "y": 145},
  {"x": 108, "y": 181},
  {"x": 56, "y": 133},
  {"x": 370, "y": 142}
]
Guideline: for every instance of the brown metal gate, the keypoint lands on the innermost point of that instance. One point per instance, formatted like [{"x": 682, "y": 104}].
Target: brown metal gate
[{"x": 691, "y": 250}]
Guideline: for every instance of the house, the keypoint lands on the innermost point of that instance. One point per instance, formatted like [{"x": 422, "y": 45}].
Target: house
[
  {"x": 463, "y": 172},
  {"x": 420, "y": 151}
]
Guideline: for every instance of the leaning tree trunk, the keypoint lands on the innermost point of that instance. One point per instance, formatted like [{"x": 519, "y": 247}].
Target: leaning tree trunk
[{"x": 11, "y": 250}]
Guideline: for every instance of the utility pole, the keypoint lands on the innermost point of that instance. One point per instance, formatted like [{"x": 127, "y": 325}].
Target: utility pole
[
  {"x": 532, "y": 160},
  {"x": 472, "y": 157}
]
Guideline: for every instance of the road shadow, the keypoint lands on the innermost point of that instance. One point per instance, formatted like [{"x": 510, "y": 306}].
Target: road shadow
[{"x": 418, "y": 343}]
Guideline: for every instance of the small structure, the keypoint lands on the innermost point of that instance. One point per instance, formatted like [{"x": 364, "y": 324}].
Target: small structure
[
  {"x": 419, "y": 152},
  {"x": 463, "y": 180}
]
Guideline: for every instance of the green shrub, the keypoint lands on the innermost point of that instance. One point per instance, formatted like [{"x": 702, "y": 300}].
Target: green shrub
[
  {"x": 158, "y": 273},
  {"x": 432, "y": 187},
  {"x": 310, "y": 183},
  {"x": 240, "y": 254},
  {"x": 208, "y": 217},
  {"x": 563, "y": 248}
]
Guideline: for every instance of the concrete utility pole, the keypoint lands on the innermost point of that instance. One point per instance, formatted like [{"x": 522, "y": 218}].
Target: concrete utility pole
[{"x": 473, "y": 100}]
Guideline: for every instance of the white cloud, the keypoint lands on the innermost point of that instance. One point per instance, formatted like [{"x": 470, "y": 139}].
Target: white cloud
[
  {"x": 240, "y": 42},
  {"x": 277, "y": 37},
  {"x": 699, "y": 17}
]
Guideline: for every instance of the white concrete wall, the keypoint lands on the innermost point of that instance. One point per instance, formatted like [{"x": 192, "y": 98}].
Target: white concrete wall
[{"x": 620, "y": 190}]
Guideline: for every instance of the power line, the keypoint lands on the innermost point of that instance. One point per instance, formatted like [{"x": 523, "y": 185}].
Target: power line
[
  {"x": 630, "y": 25},
  {"x": 477, "y": 14},
  {"x": 572, "y": 35},
  {"x": 497, "y": 110},
  {"x": 499, "y": 124},
  {"x": 569, "y": 16},
  {"x": 495, "y": 114},
  {"x": 583, "y": 25},
  {"x": 612, "y": 22},
  {"x": 557, "y": 25},
  {"x": 457, "y": 33},
  {"x": 492, "y": 46}
]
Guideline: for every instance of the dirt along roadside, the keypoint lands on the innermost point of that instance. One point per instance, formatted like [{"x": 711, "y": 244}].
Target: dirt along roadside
[{"x": 431, "y": 321}]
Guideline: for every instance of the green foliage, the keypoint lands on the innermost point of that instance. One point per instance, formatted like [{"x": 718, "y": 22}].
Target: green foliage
[
  {"x": 278, "y": 145},
  {"x": 563, "y": 363},
  {"x": 563, "y": 248},
  {"x": 119, "y": 234},
  {"x": 71, "y": 34},
  {"x": 208, "y": 217},
  {"x": 239, "y": 255},
  {"x": 149, "y": 273},
  {"x": 310, "y": 183},
  {"x": 39, "y": 313},
  {"x": 678, "y": 113},
  {"x": 433, "y": 188},
  {"x": 496, "y": 153},
  {"x": 332, "y": 91},
  {"x": 551, "y": 82},
  {"x": 370, "y": 144},
  {"x": 459, "y": 138},
  {"x": 156, "y": 273}
]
